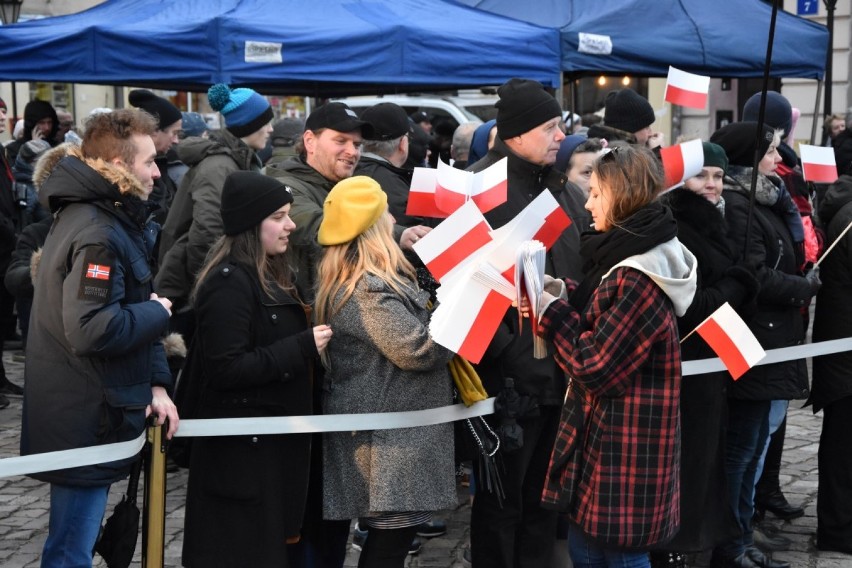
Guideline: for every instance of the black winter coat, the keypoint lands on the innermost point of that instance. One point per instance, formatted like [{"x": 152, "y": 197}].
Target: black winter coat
[
  {"x": 706, "y": 519},
  {"x": 833, "y": 317},
  {"x": 510, "y": 353},
  {"x": 94, "y": 346},
  {"x": 253, "y": 355},
  {"x": 778, "y": 321}
]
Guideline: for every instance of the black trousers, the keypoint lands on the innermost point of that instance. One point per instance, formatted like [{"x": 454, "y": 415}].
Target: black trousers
[
  {"x": 386, "y": 548},
  {"x": 520, "y": 534},
  {"x": 834, "y": 495}
]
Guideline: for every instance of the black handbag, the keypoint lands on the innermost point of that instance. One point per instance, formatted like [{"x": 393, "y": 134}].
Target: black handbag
[{"x": 117, "y": 541}]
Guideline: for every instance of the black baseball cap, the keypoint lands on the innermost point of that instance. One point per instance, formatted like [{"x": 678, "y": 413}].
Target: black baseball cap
[
  {"x": 339, "y": 117},
  {"x": 388, "y": 120},
  {"x": 420, "y": 116}
]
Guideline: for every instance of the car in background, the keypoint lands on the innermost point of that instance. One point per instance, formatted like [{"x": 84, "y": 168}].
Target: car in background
[{"x": 465, "y": 106}]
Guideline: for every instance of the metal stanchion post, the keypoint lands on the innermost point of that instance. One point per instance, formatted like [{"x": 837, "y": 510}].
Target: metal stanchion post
[{"x": 154, "y": 528}]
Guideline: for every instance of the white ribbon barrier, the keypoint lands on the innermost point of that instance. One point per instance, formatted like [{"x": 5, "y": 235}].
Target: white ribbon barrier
[
  {"x": 780, "y": 355},
  {"x": 49, "y": 461},
  {"x": 345, "y": 422}
]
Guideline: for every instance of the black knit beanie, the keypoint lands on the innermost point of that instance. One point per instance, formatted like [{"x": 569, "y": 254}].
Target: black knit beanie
[
  {"x": 523, "y": 105},
  {"x": 164, "y": 111},
  {"x": 739, "y": 139},
  {"x": 250, "y": 197},
  {"x": 627, "y": 110}
]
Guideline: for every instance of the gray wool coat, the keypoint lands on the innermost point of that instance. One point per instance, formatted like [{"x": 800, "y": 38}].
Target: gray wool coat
[{"x": 383, "y": 360}]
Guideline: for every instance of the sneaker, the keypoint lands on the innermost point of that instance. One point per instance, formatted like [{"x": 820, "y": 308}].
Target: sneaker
[
  {"x": 11, "y": 389},
  {"x": 414, "y": 547},
  {"x": 4, "y": 402},
  {"x": 432, "y": 528},
  {"x": 359, "y": 537}
]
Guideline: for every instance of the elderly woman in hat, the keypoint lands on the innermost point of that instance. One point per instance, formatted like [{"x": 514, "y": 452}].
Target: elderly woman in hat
[
  {"x": 251, "y": 357},
  {"x": 381, "y": 360}
]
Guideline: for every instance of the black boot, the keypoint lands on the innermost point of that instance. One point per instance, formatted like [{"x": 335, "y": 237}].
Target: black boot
[{"x": 768, "y": 495}]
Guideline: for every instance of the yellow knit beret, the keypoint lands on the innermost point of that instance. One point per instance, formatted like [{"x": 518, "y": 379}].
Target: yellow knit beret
[{"x": 352, "y": 206}]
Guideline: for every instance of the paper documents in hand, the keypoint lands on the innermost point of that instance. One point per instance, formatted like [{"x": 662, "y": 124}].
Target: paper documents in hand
[
  {"x": 529, "y": 283},
  {"x": 440, "y": 192}
]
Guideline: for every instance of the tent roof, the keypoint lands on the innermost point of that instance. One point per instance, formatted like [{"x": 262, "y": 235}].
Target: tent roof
[
  {"x": 321, "y": 47},
  {"x": 719, "y": 38}
]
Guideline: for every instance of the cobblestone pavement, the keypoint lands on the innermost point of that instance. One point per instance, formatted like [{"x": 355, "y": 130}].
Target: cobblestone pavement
[{"x": 24, "y": 503}]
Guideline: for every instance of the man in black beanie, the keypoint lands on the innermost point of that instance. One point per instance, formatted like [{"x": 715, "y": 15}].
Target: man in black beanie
[
  {"x": 516, "y": 531},
  {"x": 628, "y": 116},
  {"x": 169, "y": 123},
  {"x": 40, "y": 123}
]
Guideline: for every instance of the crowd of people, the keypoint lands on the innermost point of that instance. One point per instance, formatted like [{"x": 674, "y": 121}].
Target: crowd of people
[{"x": 161, "y": 268}]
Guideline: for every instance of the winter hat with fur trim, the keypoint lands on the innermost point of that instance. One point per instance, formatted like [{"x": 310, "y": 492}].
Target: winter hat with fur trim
[{"x": 244, "y": 110}]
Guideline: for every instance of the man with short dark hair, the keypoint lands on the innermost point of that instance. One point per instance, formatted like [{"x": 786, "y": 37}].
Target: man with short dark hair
[
  {"x": 95, "y": 364},
  {"x": 332, "y": 147}
]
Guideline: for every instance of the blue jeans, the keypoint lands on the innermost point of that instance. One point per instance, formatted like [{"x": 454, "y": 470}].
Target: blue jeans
[
  {"x": 587, "y": 554},
  {"x": 748, "y": 431},
  {"x": 75, "y": 521},
  {"x": 777, "y": 413}
]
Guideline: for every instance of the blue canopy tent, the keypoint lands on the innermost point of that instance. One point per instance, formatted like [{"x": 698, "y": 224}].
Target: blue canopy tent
[
  {"x": 722, "y": 38},
  {"x": 320, "y": 48}
]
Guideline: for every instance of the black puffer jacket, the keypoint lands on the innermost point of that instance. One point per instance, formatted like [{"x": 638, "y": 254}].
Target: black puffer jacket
[
  {"x": 94, "y": 348},
  {"x": 778, "y": 321},
  {"x": 510, "y": 353}
]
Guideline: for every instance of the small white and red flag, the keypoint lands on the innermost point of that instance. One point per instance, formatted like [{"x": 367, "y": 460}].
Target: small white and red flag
[
  {"x": 439, "y": 192},
  {"x": 729, "y": 336},
  {"x": 686, "y": 89},
  {"x": 471, "y": 300},
  {"x": 421, "y": 196},
  {"x": 681, "y": 162},
  {"x": 453, "y": 240},
  {"x": 818, "y": 164}
]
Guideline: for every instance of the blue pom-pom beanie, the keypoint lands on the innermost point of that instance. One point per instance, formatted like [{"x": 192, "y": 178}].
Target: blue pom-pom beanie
[{"x": 244, "y": 110}]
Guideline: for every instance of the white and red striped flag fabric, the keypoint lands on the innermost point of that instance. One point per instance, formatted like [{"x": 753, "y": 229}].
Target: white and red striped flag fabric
[
  {"x": 469, "y": 309},
  {"x": 454, "y": 240},
  {"x": 439, "y": 192},
  {"x": 818, "y": 164},
  {"x": 686, "y": 89},
  {"x": 729, "y": 336},
  {"x": 421, "y": 196},
  {"x": 681, "y": 162}
]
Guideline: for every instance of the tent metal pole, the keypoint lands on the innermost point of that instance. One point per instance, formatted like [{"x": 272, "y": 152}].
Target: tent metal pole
[
  {"x": 816, "y": 112},
  {"x": 760, "y": 122}
]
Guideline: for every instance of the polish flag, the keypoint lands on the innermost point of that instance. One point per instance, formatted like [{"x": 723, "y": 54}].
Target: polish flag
[
  {"x": 818, "y": 164},
  {"x": 729, "y": 336},
  {"x": 487, "y": 188},
  {"x": 467, "y": 319},
  {"x": 686, "y": 89},
  {"x": 421, "y": 196},
  {"x": 681, "y": 162},
  {"x": 453, "y": 240}
]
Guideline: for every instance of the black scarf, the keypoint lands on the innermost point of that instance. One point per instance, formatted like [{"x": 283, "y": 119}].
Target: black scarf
[{"x": 648, "y": 227}]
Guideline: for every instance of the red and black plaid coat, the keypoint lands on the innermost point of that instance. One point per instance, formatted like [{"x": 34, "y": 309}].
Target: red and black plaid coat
[{"x": 621, "y": 414}]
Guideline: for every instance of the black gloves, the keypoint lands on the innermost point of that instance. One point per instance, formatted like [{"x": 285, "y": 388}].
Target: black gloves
[{"x": 812, "y": 276}]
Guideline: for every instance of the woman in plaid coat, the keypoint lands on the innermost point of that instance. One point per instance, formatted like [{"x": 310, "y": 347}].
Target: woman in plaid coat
[{"x": 615, "y": 464}]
